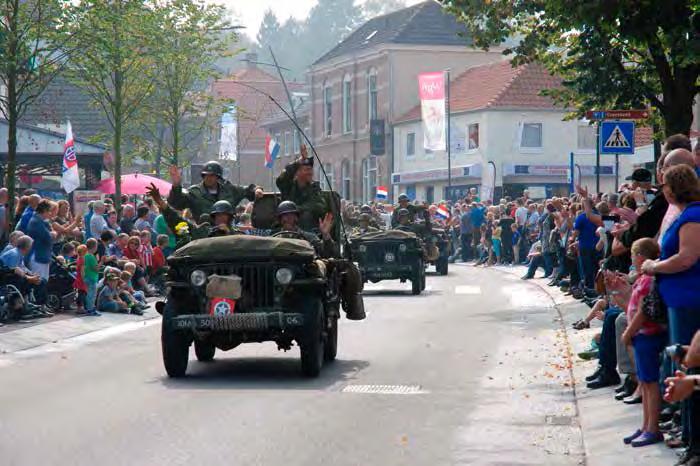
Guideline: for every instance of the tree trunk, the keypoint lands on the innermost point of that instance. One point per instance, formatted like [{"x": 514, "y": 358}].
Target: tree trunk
[
  {"x": 176, "y": 141},
  {"x": 117, "y": 143},
  {"x": 159, "y": 149},
  {"x": 11, "y": 144},
  {"x": 678, "y": 114}
]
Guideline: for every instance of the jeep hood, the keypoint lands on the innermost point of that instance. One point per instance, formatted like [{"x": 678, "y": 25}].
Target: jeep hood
[{"x": 236, "y": 248}]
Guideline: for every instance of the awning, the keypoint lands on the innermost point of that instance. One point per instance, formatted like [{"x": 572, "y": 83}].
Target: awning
[{"x": 439, "y": 174}]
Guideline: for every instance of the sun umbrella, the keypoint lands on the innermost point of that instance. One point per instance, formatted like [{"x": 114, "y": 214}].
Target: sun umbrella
[{"x": 135, "y": 183}]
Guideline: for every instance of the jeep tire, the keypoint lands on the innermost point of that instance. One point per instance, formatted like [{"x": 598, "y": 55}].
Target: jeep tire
[
  {"x": 312, "y": 338},
  {"x": 204, "y": 351},
  {"x": 330, "y": 348},
  {"x": 418, "y": 280},
  {"x": 175, "y": 346}
]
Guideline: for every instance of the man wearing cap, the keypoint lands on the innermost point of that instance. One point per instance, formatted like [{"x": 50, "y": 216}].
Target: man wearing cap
[
  {"x": 296, "y": 183},
  {"x": 373, "y": 219},
  {"x": 365, "y": 225},
  {"x": 200, "y": 198},
  {"x": 641, "y": 180},
  {"x": 403, "y": 204}
]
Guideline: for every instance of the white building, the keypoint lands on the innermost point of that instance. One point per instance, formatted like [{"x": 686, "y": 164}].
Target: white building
[{"x": 498, "y": 118}]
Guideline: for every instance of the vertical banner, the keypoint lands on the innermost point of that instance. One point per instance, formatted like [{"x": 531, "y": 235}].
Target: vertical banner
[
  {"x": 228, "y": 145},
  {"x": 488, "y": 182},
  {"x": 70, "y": 178},
  {"x": 431, "y": 90}
]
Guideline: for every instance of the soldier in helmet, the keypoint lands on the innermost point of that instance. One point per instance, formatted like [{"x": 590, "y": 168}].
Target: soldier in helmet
[
  {"x": 288, "y": 217},
  {"x": 406, "y": 222},
  {"x": 200, "y": 198},
  {"x": 296, "y": 183},
  {"x": 365, "y": 225},
  {"x": 374, "y": 222},
  {"x": 405, "y": 205},
  {"x": 221, "y": 217}
]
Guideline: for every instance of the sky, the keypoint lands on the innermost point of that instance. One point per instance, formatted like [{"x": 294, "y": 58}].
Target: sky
[{"x": 251, "y": 12}]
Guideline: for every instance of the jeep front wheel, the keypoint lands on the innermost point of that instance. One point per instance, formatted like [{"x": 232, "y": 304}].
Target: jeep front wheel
[
  {"x": 311, "y": 342},
  {"x": 331, "y": 343},
  {"x": 175, "y": 346},
  {"x": 418, "y": 280},
  {"x": 204, "y": 351}
]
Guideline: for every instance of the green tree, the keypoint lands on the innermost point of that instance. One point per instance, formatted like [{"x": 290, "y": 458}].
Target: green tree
[
  {"x": 195, "y": 35},
  {"x": 116, "y": 64},
  {"x": 610, "y": 54},
  {"x": 32, "y": 54}
]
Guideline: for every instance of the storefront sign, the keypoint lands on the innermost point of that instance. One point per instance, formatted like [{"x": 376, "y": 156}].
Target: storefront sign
[
  {"x": 510, "y": 169},
  {"x": 469, "y": 171}
]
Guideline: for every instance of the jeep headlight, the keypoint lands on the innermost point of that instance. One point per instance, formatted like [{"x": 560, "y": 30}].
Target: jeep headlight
[
  {"x": 402, "y": 247},
  {"x": 362, "y": 248},
  {"x": 284, "y": 276},
  {"x": 198, "y": 278}
]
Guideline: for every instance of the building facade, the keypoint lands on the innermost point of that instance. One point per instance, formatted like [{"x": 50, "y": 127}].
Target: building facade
[
  {"x": 499, "y": 120},
  {"x": 370, "y": 79}
]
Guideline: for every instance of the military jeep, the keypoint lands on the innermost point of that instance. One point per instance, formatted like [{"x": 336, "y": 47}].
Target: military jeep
[
  {"x": 390, "y": 255},
  {"x": 438, "y": 249},
  {"x": 236, "y": 289}
]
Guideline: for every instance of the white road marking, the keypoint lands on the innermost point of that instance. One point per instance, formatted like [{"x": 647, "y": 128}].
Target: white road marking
[
  {"x": 522, "y": 295},
  {"x": 385, "y": 389},
  {"x": 468, "y": 289}
]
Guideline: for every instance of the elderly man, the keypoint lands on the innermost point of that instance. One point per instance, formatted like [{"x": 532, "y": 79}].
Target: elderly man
[
  {"x": 98, "y": 224},
  {"x": 22, "y": 277},
  {"x": 128, "y": 218}
]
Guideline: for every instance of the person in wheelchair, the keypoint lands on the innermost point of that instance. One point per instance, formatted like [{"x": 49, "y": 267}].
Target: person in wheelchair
[
  {"x": 288, "y": 217},
  {"x": 22, "y": 278}
]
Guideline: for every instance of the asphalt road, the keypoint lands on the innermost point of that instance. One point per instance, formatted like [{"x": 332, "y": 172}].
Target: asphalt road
[{"x": 434, "y": 358}]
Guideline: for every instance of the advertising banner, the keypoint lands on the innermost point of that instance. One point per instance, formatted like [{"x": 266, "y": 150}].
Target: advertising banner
[
  {"x": 228, "y": 145},
  {"x": 431, "y": 91}
]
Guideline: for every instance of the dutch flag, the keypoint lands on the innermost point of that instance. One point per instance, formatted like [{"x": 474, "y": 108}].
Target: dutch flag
[
  {"x": 442, "y": 212},
  {"x": 272, "y": 148},
  {"x": 382, "y": 192}
]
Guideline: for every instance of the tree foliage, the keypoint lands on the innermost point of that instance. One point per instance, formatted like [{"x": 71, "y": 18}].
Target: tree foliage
[
  {"x": 621, "y": 54},
  {"x": 32, "y": 54}
]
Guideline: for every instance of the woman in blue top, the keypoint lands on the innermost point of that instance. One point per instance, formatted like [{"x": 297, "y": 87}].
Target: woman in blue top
[
  {"x": 678, "y": 269},
  {"x": 40, "y": 231}
]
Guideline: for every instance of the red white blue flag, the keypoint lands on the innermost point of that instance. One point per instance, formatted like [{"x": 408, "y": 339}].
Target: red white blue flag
[
  {"x": 442, "y": 212},
  {"x": 70, "y": 178},
  {"x": 272, "y": 148},
  {"x": 382, "y": 192}
]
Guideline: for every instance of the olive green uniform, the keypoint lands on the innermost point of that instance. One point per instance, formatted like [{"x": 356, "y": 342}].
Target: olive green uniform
[
  {"x": 205, "y": 230},
  {"x": 200, "y": 201},
  {"x": 412, "y": 210},
  {"x": 325, "y": 248},
  {"x": 309, "y": 199}
]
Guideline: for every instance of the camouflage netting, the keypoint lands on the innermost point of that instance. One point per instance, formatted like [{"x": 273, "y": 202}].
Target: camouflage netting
[
  {"x": 237, "y": 247},
  {"x": 388, "y": 234}
]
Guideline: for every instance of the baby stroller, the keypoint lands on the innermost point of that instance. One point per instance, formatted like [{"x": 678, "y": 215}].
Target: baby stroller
[{"x": 60, "y": 291}]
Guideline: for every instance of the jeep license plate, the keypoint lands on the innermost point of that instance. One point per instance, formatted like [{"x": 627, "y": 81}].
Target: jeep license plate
[{"x": 221, "y": 306}]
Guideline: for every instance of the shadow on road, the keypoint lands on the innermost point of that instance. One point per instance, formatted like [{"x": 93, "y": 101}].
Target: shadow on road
[
  {"x": 266, "y": 373},
  {"x": 398, "y": 293}
]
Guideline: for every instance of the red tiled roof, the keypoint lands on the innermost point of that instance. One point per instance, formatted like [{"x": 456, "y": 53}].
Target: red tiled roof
[
  {"x": 254, "y": 108},
  {"x": 497, "y": 85}
]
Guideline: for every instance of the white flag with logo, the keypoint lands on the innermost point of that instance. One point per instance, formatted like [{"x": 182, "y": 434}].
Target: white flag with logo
[{"x": 70, "y": 177}]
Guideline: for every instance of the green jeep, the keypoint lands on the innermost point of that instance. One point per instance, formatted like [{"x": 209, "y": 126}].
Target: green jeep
[
  {"x": 390, "y": 255},
  {"x": 236, "y": 289}
]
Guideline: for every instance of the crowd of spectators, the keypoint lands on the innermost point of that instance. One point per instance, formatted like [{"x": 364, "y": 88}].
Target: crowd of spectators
[{"x": 114, "y": 261}]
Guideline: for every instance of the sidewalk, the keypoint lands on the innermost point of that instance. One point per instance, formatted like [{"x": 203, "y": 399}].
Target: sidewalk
[
  {"x": 62, "y": 327},
  {"x": 603, "y": 420}
]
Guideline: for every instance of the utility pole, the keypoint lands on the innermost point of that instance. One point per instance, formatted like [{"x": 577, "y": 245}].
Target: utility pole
[{"x": 447, "y": 131}]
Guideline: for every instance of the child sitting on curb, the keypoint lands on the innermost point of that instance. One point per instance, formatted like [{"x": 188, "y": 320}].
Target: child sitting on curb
[
  {"x": 648, "y": 339},
  {"x": 108, "y": 299}
]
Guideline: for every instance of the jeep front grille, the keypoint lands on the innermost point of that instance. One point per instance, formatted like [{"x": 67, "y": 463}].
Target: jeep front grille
[{"x": 257, "y": 281}]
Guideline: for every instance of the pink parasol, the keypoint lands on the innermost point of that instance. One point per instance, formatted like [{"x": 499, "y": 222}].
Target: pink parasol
[{"x": 135, "y": 183}]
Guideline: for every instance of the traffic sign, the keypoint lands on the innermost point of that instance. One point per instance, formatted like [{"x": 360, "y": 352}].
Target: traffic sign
[
  {"x": 617, "y": 114},
  {"x": 617, "y": 137}
]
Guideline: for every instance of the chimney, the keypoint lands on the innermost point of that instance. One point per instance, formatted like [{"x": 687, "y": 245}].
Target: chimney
[{"x": 251, "y": 59}]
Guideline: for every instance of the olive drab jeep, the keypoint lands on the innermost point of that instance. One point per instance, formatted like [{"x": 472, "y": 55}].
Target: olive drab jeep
[
  {"x": 390, "y": 255},
  {"x": 438, "y": 245},
  {"x": 236, "y": 289}
]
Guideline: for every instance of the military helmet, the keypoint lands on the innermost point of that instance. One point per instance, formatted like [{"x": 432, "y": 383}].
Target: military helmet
[
  {"x": 222, "y": 207},
  {"x": 287, "y": 207},
  {"x": 213, "y": 168},
  {"x": 366, "y": 209},
  {"x": 403, "y": 197},
  {"x": 404, "y": 212},
  {"x": 365, "y": 217}
]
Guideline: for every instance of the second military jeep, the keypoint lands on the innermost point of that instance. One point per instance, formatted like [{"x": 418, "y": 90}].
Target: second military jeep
[
  {"x": 438, "y": 245},
  {"x": 390, "y": 255},
  {"x": 236, "y": 289}
]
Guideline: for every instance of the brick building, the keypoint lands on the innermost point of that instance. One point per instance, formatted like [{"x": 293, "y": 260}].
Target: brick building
[
  {"x": 372, "y": 75},
  {"x": 252, "y": 109}
]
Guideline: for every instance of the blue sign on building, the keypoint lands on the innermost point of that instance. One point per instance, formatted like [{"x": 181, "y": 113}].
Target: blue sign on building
[{"x": 617, "y": 137}]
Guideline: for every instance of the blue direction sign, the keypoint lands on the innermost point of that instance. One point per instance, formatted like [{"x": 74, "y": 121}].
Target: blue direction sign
[{"x": 617, "y": 137}]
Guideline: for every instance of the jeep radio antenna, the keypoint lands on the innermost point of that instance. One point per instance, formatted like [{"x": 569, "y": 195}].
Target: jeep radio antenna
[{"x": 335, "y": 208}]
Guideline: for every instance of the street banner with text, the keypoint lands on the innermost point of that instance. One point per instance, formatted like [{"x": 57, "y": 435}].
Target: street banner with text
[{"x": 431, "y": 90}]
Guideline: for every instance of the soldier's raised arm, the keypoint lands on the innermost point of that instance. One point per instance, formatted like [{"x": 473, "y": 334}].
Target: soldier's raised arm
[{"x": 178, "y": 198}]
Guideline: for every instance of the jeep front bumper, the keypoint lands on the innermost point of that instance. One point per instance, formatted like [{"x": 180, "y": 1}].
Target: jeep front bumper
[{"x": 252, "y": 321}]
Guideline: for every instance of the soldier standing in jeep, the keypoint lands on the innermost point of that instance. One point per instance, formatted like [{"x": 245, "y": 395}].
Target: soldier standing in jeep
[
  {"x": 200, "y": 198},
  {"x": 296, "y": 183}
]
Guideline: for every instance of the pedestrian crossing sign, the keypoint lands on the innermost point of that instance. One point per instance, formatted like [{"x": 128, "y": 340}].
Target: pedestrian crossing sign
[{"x": 617, "y": 137}]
